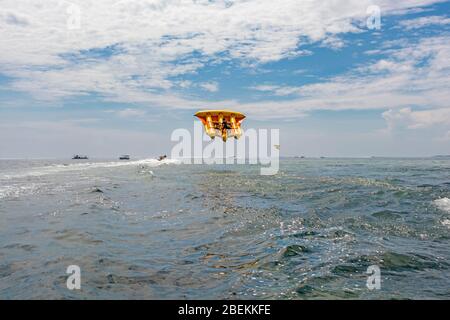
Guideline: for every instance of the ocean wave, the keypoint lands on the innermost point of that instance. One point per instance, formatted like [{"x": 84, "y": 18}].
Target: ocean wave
[
  {"x": 361, "y": 181},
  {"x": 443, "y": 204},
  {"x": 58, "y": 168}
]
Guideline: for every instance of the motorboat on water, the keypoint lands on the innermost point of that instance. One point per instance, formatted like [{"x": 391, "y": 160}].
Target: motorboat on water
[
  {"x": 161, "y": 158},
  {"x": 79, "y": 157},
  {"x": 124, "y": 157}
]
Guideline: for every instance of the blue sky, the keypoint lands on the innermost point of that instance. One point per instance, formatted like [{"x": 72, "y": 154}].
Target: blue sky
[{"x": 110, "y": 77}]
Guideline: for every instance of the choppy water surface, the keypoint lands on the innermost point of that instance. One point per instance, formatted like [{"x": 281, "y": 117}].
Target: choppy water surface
[{"x": 143, "y": 229}]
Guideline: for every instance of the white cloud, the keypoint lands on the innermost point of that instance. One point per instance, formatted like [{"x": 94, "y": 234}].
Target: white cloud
[
  {"x": 210, "y": 86},
  {"x": 277, "y": 90},
  {"x": 185, "y": 84},
  {"x": 14, "y": 19},
  {"x": 416, "y": 74},
  {"x": 410, "y": 119},
  {"x": 421, "y": 22},
  {"x": 155, "y": 41},
  {"x": 129, "y": 112}
]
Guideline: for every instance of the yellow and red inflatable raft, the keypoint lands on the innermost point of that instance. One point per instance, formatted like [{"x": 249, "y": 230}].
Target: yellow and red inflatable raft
[{"x": 221, "y": 123}]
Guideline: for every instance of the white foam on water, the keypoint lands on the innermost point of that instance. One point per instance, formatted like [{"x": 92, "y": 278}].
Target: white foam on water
[
  {"x": 446, "y": 223},
  {"x": 59, "y": 168},
  {"x": 443, "y": 204},
  {"x": 15, "y": 191}
]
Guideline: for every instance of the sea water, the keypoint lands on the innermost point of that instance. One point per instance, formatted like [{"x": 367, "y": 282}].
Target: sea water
[{"x": 164, "y": 230}]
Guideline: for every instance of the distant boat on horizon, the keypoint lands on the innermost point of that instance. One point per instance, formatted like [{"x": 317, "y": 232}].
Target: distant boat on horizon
[
  {"x": 124, "y": 157},
  {"x": 79, "y": 157}
]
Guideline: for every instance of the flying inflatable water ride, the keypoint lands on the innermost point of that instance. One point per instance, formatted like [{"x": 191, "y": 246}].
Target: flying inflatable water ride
[{"x": 221, "y": 123}]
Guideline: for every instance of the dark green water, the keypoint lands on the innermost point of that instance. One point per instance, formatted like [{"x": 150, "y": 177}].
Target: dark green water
[{"x": 138, "y": 230}]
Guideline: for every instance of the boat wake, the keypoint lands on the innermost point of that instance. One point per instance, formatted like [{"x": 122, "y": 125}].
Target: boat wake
[
  {"x": 14, "y": 191},
  {"x": 61, "y": 168}
]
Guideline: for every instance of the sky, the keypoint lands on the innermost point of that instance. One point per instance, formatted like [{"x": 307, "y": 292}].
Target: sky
[{"x": 109, "y": 77}]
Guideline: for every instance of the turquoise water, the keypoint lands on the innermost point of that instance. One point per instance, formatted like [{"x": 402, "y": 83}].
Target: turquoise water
[{"x": 144, "y": 229}]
